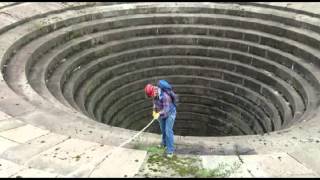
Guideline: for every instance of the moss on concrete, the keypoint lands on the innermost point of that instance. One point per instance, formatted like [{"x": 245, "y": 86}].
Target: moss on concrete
[{"x": 158, "y": 165}]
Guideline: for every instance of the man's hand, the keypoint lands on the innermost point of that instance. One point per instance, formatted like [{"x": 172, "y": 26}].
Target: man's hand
[{"x": 155, "y": 115}]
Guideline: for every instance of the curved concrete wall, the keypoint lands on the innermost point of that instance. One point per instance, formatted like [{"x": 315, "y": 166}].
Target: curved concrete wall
[{"x": 239, "y": 70}]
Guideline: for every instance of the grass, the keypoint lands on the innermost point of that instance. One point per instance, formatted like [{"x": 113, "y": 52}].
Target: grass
[{"x": 183, "y": 166}]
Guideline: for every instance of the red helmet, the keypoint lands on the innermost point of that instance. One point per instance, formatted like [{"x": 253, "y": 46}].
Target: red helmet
[{"x": 149, "y": 90}]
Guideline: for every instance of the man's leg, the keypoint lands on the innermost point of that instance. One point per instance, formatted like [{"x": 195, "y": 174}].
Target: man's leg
[
  {"x": 162, "y": 123},
  {"x": 169, "y": 133}
]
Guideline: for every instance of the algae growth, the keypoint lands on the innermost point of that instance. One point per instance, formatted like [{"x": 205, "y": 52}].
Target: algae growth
[{"x": 158, "y": 165}]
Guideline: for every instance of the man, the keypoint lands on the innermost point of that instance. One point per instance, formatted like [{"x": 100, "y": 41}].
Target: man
[{"x": 164, "y": 109}]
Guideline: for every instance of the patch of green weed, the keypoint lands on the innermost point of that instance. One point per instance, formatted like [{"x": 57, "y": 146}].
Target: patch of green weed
[{"x": 183, "y": 166}]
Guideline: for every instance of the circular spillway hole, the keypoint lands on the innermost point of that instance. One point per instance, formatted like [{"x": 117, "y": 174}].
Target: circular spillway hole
[{"x": 235, "y": 70}]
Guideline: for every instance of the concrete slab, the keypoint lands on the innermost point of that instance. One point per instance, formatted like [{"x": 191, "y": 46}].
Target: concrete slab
[
  {"x": 274, "y": 165},
  {"x": 8, "y": 168},
  {"x": 30, "y": 172},
  {"x": 12, "y": 104},
  {"x": 63, "y": 158},
  {"x": 309, "y": 157},
  {"x": 77, "y": 158},
  {"x": 6, "y": 144},
  {"x": 304, "y": 175},
  {"x": 4, "y": 116},
  {"x": 121, "y": 163},
  {"x": 20, "y": 154},
  {"x": 6, "y": 20},
  {"x": 5, "y": 4},
  {"x": 24, "y": 133},
  {"x": 92, "y": 157},
  {"x": 10, "y": 124},
  {"x": 213, "y": 161},
  {"x": 306, "y": 6},
  {"x": 26, "y": 10}
]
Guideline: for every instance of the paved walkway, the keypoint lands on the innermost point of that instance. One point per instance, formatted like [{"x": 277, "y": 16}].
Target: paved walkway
[{"x": 29, "y": 151}]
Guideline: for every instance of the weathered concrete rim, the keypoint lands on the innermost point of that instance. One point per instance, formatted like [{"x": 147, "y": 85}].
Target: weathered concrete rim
[{"x": 213, "y": 138}]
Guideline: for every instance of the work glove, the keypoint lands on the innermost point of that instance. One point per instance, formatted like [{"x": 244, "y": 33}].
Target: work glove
[{"x": 155, "y": 115}]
